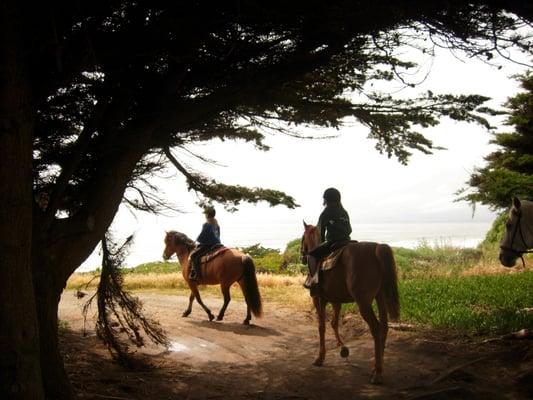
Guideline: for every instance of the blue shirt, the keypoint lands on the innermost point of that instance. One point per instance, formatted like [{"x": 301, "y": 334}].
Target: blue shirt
[{"x": 209, "y": 235}]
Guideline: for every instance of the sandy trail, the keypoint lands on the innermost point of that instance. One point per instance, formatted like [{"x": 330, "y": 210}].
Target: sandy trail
[{"x": 272, "y": 358}]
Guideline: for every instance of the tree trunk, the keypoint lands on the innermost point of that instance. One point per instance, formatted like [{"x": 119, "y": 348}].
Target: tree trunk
[
  {"x": 55, "y": 379},
  {"x": 61, "y": 247},
  {"x": 20, "y": 372}
]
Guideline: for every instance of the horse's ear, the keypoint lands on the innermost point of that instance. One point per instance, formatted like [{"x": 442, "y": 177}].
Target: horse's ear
[
  {"x": 516, "y": 203},
  {"x": 305, "y": 225}
]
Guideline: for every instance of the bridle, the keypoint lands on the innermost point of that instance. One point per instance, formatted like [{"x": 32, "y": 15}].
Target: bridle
[{"x": 517, "y": 230}]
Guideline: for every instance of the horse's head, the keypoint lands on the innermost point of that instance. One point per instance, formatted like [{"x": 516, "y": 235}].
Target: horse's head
[
  {"x": 310, "y": 240},
  {"x": 176, "y": 242},
  {"x": 517, "y": 236}
]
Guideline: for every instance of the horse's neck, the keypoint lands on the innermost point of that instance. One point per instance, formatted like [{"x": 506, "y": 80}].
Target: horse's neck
[
  {"x": 183, "y": 258},
  {"x": 527, "y": 222}
]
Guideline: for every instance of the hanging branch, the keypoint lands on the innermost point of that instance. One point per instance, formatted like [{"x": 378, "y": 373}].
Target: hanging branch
[{"x": 118, "y": 311}]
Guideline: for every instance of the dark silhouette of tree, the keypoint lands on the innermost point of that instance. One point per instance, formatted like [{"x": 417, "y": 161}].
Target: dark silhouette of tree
[
  {"x": 120, "y": 321},
  {"x": 96, "y": 95},
  {"x": 509, "y": 169}
]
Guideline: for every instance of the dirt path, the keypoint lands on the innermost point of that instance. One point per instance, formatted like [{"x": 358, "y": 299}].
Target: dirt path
[{"x": 272, "y": 360}]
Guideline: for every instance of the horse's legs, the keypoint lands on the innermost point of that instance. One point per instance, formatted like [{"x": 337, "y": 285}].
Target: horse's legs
[
  {"x": 335, "y": 325},
  {"x": 189, "y": 308},
  {"x": 227, "y": 298},
  {"x": 248, "y": 311},
  {"x": 383, "y": 322},
  {"x": 320, "y": 306},
  {"x": 194, "y": 290},
  {"x": 335, "y": 322},
  {"x": 365, "y": 308}
]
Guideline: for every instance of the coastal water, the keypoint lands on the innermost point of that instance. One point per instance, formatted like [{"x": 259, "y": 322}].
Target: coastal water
[
  {"x": 148, "y": 244},
  {"x": 410, "y": 235}
]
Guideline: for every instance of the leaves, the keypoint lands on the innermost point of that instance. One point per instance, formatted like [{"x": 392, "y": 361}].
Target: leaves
[{"x": 509, "y": 169}]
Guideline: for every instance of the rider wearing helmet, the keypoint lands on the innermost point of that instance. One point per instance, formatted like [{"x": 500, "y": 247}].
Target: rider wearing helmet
[
  {"x": 335, "y": 229},
  {"x": 208, "y": 239}
]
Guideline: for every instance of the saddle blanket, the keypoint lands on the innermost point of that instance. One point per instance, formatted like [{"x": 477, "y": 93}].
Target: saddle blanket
[
  {"x": 331, "y": 260},
  {"x": 212, "y": 254}
]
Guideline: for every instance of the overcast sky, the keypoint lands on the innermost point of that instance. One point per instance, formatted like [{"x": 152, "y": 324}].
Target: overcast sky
[{"x": 374, "y": 189}]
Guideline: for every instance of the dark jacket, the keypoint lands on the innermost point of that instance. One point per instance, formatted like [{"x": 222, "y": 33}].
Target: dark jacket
[
  {"x": 210, "y": 235},
  {"x": 334, "y": 224}
]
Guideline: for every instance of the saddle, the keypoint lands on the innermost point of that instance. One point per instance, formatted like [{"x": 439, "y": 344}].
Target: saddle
[
  {"x": 331, "y": 260},
  {"x": 212, "y": 254},
  {"x": 195, "y": 267}
]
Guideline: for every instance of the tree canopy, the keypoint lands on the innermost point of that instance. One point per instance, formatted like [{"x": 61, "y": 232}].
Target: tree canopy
[
  {"x": 96, "y": 94},
  {"x": 509, "y": 169},
  {"x": 144, "y": 77}
]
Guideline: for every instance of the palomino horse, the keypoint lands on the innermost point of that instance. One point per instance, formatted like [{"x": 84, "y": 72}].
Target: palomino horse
[
  {"x": 365, "y": 271},
  {"x": 225, "y": 269},
  {"x": 518, "y": 236}
]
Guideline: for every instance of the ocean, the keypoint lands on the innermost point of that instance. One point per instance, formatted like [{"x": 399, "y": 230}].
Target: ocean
[{"x": 148, "y": 243}]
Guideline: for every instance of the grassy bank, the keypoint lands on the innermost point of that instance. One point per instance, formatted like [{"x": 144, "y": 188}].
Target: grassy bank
[
  {"x": 475, "y": 304},
  {"x": 442, "y": 287}
]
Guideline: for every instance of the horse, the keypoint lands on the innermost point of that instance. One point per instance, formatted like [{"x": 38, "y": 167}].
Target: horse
[
  {"x": 517, "y": 239},
  {"x": 225, "y": 269},
  {"x": 365, "y": 271}
]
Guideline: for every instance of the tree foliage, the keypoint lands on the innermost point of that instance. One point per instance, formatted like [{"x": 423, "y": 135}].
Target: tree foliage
[
  {"x": 153, "y": 76},
  {"x": 509, "y": 169}
]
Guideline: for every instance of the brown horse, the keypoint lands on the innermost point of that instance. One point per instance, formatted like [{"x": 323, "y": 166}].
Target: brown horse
[
  {"x": 225, "y": 269},
  {"x": 365, "y": 271}
]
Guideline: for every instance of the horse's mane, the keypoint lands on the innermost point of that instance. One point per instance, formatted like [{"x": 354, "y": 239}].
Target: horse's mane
[{"x": 182, "y": 239}]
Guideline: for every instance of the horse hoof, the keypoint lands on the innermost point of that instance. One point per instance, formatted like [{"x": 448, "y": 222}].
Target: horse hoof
[
  {"x": 376, "y": 379},
  {"x": 246, "y": 322},
  {"x": 345, "y": 352},
  {"x": 186, "y": 314},
  {"x": 318, "y": 362},
  {"x": 220, "y": 318},
  {"x": 211, "y": 317}
]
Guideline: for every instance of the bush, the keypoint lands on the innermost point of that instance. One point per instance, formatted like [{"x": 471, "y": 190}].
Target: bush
[
  {"x": 271, "y": 263},
  {"x": 491, "y": 243},
  {"x": 257, "y": 251},
  {"x": 292, "y": 252},
  {"x": 159, "y": 267},
  {"x": 439, "y": 260}
]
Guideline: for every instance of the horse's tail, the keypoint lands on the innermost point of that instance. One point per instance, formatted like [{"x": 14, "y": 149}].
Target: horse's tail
[
  {"x": 250, "y": 288},
  {"x": 390, "y": 280}
]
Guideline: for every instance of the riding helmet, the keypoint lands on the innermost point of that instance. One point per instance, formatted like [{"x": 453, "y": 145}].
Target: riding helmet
[{"x": 332, "y": 195}]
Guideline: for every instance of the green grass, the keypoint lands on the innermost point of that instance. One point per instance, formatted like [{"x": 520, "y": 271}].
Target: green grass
[
  {"x": 441, "y": 287},
  {"x": 471, "y": 305},
  {"x": 438, "y": 291}
]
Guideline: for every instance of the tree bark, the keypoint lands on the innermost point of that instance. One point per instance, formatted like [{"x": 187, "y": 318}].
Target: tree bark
[
  {"x": 20, "y": 372},
  {"x": 64, "y": 244}
]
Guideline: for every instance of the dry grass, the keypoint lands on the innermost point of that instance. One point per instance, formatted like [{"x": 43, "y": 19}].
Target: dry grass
[
  {"x": 282, "y": 289},
  {"x": 491, "y": 266}
]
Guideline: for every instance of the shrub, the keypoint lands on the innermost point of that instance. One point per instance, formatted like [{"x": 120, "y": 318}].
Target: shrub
[
  {"x": 257, "y": 251},
  {"x": 292, "y": 252},
  {"x": 270, "y": 263}
]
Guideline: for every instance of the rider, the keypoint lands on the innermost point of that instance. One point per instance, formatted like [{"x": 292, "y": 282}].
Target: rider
[
  {"x": 208, "y": 238},
  {"x": 335, "y": 229}
]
